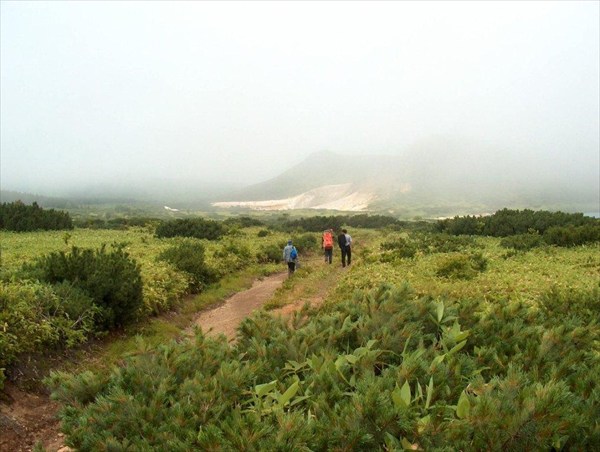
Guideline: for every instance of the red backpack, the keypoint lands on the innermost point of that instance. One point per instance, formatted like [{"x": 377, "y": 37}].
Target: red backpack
[{"x": 327, "y": 240}]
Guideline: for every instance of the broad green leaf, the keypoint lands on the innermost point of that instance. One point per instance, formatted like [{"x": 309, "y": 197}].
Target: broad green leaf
[
  {"x": 457, "y": 347},
  {"x": 299, "y": 399},
  {"x": 289, "y": 393},
  {"x": 340, "y": 363},
  {"x": 351, "y": 359},
  {"x": 347, "y": 325},
  {"x": 429, "y": 393},
  {"x": 407, "y": 445},
  {"x": 399, "y": 402},
  {"x": 438, "y": 359},
  {"x": 262, "y": 390},
  {"x": 406, "y": 345},
  {"x": 391, "y": 441},
  {"x": 419, "y": 391},
  {"x": 461, "y": 336},
  {"x": 423, "y": 423},
  {"x": 353, "y": 381},
  {"x": 405, "y": 393},
  {"x": 463, "y": 407},
  {"x": 440, "y": 311},
  {"x": 371, "y": 343}
]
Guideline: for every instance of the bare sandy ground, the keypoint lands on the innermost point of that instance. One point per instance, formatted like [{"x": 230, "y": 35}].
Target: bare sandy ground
[{"x": 225, "y": 318}]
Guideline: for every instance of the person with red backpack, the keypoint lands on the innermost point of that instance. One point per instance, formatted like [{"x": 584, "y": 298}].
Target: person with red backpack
[{"x": 327, "y": 244}]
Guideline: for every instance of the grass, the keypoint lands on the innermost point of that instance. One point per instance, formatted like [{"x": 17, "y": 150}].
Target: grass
[{"x": 522, "y": 275}]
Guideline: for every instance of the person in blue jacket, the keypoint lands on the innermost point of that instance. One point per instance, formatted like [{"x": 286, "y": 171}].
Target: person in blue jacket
[{"x": 290, "y": 256}]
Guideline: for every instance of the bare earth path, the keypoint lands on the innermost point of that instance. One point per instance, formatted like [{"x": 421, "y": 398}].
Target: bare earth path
[
  {"x": 30, "y": 418},
  {"x": 225, "y": 318}
]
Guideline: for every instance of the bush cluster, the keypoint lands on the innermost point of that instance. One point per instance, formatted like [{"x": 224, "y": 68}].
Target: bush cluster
[
  {"x": 111, "y": 279},
  {"x": 508, "y": 222},
  {"x": 565, "y": 236},
  {"x": 198, "y": 228},
  {"x": 522, "y": 242},
  {"x": 405, "y": 246},
  {"x": 19, "y": 217},
  {"x": 269, "y": 254},
  {"x": 462, "y": 266},
  {"x": 120, "y": 224},
  {"x": 243, "y": 222},
  {"x": 35, "y": 316},
  {"x": 335, "y": 222},
  {"x": 188, "y": 257},
  {"x": 382, "y": 371},
  {"x": 572, "y": 235},
  {"x": 306, "y": 243}
]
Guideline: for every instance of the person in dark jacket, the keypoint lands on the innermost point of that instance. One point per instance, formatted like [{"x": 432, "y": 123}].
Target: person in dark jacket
[{"x": 345, "y": 244}]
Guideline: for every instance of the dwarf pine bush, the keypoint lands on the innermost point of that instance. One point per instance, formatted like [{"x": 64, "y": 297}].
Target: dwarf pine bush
[
  {"x": 462, "y": 266},
  {"x": 35, "y": 316},
  {"x": 112, "y": 279},
  {"x": 385, "y": 370},
  {"x": 188, "y": 256}
]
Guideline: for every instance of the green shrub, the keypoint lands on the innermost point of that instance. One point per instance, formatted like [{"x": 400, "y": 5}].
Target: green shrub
[
  {"x": 399, "y": 247},
  {"x": 306, "y": 243},
  {"x": 16, "y": 216},
  {"x": 269, "y": 254},
  {"x": 112, "y": 280},
  {"x": 263, "y": 233},
  {"x": 335, "y": 222},
  {"x": 522, "y": 242},
  {"x": 164, "y": 287},
  {"x": 36, "y": 316},
  {"x": 507, "y": 222},
  {"x": 198, "y": 228},
  {"x": 384, "y": 370},
  {"x": 462, "y": 266},
  {"x": 572, "y": 235},
  {"x": 229, "y": 256},
  {"x": 188, "y": 256},
  {"x": 243, "y": 222}
]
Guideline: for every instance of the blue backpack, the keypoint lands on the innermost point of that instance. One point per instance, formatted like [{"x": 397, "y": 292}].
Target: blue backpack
[{"x": 293, "y": 253}]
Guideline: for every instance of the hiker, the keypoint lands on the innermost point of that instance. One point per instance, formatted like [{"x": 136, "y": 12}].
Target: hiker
[
  {"x": 345, "y": 243},
  {"x": 290, "y": 256},
  {"x": 327, "y": 244}
]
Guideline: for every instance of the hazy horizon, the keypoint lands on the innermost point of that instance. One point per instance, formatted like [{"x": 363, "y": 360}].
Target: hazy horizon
[{"x": 109, "y": 94}]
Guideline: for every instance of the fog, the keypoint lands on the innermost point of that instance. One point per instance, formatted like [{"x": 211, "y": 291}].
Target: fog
[{"x": 148, "y": 93}]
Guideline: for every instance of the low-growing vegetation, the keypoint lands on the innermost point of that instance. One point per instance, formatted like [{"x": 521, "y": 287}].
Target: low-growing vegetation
[
  {"x": 73, "y": 285},
  {"x": 198, "y": 228},
  {"x": 384, "y": 370},
  {"x": 429, "y": 341},
  {"x": 508, "y": 222}
]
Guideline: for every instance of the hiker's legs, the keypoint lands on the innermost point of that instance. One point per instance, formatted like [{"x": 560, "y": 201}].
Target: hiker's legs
[
  {"x": 291, "y": 268},
  {"x": 349, "y": 254},
  {"x": 343, "y": 257},
  {"x": 328, "y": 255}
]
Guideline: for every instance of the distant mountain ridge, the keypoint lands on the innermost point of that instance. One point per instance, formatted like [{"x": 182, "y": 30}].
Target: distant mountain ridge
[{"x": 440, "y": 175}]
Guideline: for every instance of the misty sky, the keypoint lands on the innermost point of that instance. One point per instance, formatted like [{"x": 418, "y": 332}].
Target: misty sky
[{"x": 240, "y": 91}]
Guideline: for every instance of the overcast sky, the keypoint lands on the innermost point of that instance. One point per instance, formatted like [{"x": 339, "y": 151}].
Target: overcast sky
[{"x": 240, "y": 91}]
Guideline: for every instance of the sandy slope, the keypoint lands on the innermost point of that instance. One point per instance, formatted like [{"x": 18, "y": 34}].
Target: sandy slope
[{"x": 335, "y": 197}]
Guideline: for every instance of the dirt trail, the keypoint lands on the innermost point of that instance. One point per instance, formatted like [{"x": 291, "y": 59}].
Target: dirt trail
[
  {"x": 225, "y": 318},
  {"x": 30, "y": 418}
]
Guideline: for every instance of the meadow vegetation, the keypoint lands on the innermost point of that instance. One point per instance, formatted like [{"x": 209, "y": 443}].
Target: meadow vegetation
[{"x": 432, "y": 340}]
